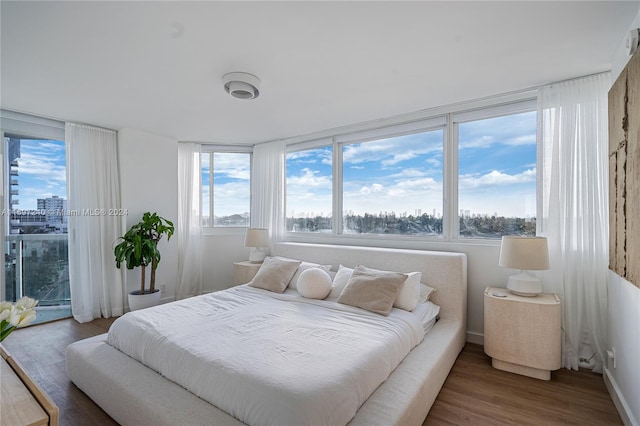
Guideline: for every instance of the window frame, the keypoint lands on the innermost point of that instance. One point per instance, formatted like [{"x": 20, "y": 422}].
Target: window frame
[
  {"x": 461, "y": 117},
  {"x": 28, "y": 126},
  {"x": 210, "y": 150},
  {"x": 305, "y": 146},
  {"x": 452, "y": 116}
]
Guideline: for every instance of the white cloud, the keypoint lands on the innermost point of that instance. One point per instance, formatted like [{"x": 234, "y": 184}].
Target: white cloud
[
  {"x": 309, "y": 179},
  {"x": 41, "y": 172},
  {"x": 521, "y": 140},
  {"x": 392, "y": 151},
  {"x": 232, "y": 165},
  {"x": 42, "y": 168},
  {"x": 375, "y": 188},
  {"x": 496, "y": 178},
  {"x": 478, "y": 142},
  {"x": 509, "y": 130},
  {"x": 407, "y": 173},
  {"x": 311, "y": 156}
]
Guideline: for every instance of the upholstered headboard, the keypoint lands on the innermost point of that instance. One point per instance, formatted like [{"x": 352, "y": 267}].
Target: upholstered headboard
[{"x": 445, "y": 271}]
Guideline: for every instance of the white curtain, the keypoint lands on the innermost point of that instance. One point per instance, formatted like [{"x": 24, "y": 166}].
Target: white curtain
[
  {"x": 267, "y": 189},
  {"x": 188, "y": 227},
  {"x": 575, "y": 214},
  {"x": 94, "y": 222}
]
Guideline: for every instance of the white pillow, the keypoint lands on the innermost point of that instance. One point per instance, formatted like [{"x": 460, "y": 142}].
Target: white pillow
[
  {"x": 340, "y": 280},
  {"x": 426, "y": 292},
  {"x": 409, "y": 295},
  {"x": 303, "y": 267},
  {"x": 314, "y": 283}
]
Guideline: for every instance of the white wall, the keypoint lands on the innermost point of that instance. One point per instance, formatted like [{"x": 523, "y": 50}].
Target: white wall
[
  {"x": 220, "y": 251},
  {"x": 148, "y": 180},
  {"x": 624, "y": 335},
  {"x": 623, "y": 381}
]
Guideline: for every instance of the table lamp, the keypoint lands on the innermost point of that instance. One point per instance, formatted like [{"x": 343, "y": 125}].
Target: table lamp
[
  {"x": 526, "y": 254},
  {"x": 256, "y": 238}
]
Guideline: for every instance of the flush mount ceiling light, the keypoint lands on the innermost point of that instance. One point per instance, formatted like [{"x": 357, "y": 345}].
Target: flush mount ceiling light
[{"x": 241, "y": 85}]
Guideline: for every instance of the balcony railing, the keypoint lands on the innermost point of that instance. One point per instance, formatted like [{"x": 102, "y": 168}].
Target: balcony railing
[{"x": 37, "y": 265}]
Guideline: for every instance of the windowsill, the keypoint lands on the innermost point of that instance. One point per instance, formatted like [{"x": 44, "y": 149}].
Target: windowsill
[
  {"x": 396, "y": 241},
  {"x": 240, "y": 231}
]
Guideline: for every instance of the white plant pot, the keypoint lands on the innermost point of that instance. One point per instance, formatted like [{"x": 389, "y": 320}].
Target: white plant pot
[{"x": 141, "y": 301}]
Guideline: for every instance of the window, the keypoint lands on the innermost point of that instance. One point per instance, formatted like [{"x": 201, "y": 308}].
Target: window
[
  {"x": 309, "y": 190},
  {"x": 497, "y": 176},
  {"x": 467, "y": 174},
  {"x": 394, "y": 185},
  {"x": 226, "y": 189}
]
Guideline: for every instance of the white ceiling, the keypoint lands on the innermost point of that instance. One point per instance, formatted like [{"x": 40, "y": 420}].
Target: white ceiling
[{"x": 157, "y": 66}]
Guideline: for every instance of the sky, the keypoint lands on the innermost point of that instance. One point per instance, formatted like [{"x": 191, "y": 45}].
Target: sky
[
  {"x": 231, "y": 177},
  {"x": 42, "y": 172},
  {"x": 404, "y": 175}
]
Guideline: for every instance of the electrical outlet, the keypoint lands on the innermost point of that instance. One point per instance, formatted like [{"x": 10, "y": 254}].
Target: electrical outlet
[{"x": 163, "y": 289}]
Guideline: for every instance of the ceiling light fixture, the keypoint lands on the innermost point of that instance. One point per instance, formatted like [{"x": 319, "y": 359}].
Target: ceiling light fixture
[{"x": 241, "y": 85}]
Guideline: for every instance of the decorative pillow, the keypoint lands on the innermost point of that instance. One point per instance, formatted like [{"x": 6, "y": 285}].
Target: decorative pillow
[
  {"x": 372, "y": 290},
  {"x": 314, "y": 283},
  {"x": 409, "y": 295},
  {"x": 426, "y": 292},
  {"x": 303, "y": 267},
  {"x": 340, "y": 281},
  {"x": 275, "y": 273}
]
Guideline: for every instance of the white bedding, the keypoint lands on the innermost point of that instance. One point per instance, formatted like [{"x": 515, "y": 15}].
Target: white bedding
[{"x": 268, "y": 358}]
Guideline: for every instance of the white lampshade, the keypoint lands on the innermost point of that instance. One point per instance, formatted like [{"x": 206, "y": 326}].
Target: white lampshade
[
  {"x": 525, "y": 253},
  {"x": 256, "y": 238},
  {"x": 530, "y": 253}
]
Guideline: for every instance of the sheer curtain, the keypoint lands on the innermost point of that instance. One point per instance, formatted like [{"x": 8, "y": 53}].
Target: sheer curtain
[
  {"x": 267, "y": 188},
  {"x": 575, "y": 213},
  {"x": 188, "y": 228},
  {"x": 93, "y": 192}
]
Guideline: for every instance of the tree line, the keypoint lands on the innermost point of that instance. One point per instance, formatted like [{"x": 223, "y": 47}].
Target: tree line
[{"x": 425, "y": 224}]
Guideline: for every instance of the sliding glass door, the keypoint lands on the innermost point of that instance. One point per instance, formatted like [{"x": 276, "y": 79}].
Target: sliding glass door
[{"x": 35, "y": 224}]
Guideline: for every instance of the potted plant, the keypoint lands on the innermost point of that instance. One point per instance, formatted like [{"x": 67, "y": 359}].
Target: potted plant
[{"x": 139, "y": 247}]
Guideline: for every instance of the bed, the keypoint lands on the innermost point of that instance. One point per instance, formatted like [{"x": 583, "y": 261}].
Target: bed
[{"x": 135, "y": 394}]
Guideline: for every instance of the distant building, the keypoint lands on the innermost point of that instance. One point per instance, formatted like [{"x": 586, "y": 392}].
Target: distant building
[
  {"x": 14, "y": 201},
  {"x": 54, "y": 210}
]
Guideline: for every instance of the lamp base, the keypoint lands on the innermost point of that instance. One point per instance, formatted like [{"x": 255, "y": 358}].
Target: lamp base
[
  {"x": 524, "y": 284},
  {"x": 257, "y": 255}
]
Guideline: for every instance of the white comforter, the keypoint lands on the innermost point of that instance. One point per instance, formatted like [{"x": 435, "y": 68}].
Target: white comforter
[{"x": 270, "y": 359}]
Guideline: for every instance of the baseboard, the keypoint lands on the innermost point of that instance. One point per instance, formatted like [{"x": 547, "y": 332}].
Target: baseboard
[
  {"x": 474, "y": 337},
  {"x": 618, "y": 399},
  {"x": 167, "y": 299}
]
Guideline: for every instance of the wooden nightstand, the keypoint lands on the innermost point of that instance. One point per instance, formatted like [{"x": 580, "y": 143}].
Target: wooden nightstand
[
  {"x": 244, "y": 271},
  {"x": 22, "y": 401},
  {"x": 522, "y": 334}
]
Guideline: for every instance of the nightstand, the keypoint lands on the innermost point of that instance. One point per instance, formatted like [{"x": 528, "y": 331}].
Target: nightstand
[
  {"x": 23, "y": 402},
  {"x": 244, "y": 271},
  {"x": 522, "y": 334}
]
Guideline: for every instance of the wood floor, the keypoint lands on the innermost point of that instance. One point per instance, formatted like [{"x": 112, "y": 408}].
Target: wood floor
[
  {"x": 474, "y": 393},
  {"x": 477, "y": 394}
]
